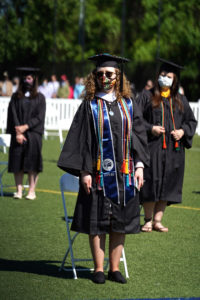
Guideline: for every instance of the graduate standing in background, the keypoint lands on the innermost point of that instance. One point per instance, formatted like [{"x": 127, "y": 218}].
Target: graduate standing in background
[
  {"x": 25, "y": 123},
  {"x": 107, "y": 147},
  {"x": 170, "y": 126}
]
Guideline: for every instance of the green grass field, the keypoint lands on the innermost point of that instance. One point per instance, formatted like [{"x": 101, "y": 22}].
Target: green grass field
[{"x": 33, "y": 242}]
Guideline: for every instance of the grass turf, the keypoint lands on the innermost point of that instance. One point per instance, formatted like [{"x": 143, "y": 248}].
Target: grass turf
[{"x": 33, "y": 242}]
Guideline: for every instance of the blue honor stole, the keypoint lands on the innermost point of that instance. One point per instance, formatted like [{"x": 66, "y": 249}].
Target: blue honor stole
[{"x": 106, "y": 163}]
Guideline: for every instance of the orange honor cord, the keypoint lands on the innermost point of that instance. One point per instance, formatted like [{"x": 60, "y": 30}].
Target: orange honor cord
[
  {"x": 172, "y": 115},
  {"x": 164, "y": 146}
]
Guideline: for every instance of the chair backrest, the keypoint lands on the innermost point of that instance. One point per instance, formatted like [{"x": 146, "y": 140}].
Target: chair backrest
[
  {"x": 5, "y": 141},
  {"x": 69, "y": 183}
]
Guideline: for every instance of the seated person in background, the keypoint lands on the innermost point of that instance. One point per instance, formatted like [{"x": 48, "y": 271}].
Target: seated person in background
[
  {"x": 45, "y": 88},
  {"x": 64, "y": 90},
  {"x": 6, "y": 86},
  {"x": 78, "y": 87},
  {"x": 54, "y": 86}
]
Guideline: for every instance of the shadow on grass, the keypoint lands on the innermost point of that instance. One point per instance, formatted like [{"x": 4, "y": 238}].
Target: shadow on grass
[
  {"x": 7, "y": 194},
  {"x": 196, "y": 192},
  {"x": 41, "y": 267}
]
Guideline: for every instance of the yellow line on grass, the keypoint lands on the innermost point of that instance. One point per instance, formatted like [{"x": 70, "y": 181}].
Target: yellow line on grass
[
  {"x": 186, "y": 207},
  {"x": 71, "y": 193},
  {"x": 53, "y": 192}
]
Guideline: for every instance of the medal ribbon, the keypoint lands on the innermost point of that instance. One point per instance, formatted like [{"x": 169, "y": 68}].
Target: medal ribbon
[{"x": 106, "y": 165}]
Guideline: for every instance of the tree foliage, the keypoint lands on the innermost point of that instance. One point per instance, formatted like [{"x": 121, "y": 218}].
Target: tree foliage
[{"x": 48, "y": 34}]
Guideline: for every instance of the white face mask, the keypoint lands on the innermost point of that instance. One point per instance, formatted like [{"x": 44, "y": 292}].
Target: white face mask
[{"x": 165, "y": 81}]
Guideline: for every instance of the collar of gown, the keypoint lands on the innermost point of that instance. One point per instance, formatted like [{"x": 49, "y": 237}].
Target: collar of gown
[{"x": 108, "y": 97}]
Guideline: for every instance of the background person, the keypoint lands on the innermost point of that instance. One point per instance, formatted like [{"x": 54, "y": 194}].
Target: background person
[
  {"x": 6, "y": 86},
  {"x": 64, "y": 90},
  {"x": 107, "y": 201},
  {"x": 148, "y": 85},
  {"x": 170, "y": 126},
  {"x": 53, "y": 86},
  {"x": 78, "y": 87},
  {"x": 25, "y": 123}
]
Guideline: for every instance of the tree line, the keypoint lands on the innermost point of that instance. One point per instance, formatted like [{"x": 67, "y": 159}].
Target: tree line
[{"x": 59, "y": 35}]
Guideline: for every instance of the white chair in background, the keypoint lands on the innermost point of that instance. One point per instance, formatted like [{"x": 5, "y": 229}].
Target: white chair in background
[
  {"x": 5, "y": 143},
  {"x": 52, "y": 125},
  {"x": 70, "y": 183}
]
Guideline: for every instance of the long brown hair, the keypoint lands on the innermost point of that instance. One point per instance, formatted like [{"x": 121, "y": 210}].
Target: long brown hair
[
  {"x": 91, "y": 86},
  {"x": 21, "y": 91},
  {"x": 156, "y": 98}
]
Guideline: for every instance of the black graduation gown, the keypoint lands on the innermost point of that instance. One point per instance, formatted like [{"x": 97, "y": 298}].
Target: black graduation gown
[
  {"x": 164, "y": 177},
  {"x": 92, "y": 212},
  {"x": 22, "y": 111}
]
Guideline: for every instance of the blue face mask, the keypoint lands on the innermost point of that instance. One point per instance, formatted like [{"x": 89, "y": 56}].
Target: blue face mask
[{"x": 165, "y": 81}]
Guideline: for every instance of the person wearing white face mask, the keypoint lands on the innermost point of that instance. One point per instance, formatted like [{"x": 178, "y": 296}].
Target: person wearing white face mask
[
  {"x": 170, "y": 126},
  {"x": 106, "y": 146}
]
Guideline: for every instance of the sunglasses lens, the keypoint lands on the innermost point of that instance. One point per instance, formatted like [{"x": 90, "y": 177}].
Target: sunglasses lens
[
  {"x": 100, "y": 74},
  {"x": 107, "y": 74}
]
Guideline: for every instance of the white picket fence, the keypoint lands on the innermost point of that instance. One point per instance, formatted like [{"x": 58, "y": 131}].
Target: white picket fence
[{"x": 60, "y": 113}]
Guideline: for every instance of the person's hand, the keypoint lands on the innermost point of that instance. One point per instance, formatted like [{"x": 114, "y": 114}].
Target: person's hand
[
  {"x": 139, "y": 177},
  {"x": 86, "y": 180},
  {"x": 20, "y": 139},
  {"x": 177, "y": 134},
  {"x": 21, "y": 128},
  {"x": 157, "y": 130}
]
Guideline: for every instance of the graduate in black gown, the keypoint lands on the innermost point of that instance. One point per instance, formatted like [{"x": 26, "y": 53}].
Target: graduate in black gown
[
  {"x": 170, "y": 126},
  {"x": 25, "y": 123},
  {"x": 107, "y": 147}
]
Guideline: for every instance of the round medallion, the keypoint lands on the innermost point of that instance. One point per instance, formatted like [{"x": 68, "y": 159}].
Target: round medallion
[
  {"x": 111, "y": 113},
  {"x": 108, "y": 164}
]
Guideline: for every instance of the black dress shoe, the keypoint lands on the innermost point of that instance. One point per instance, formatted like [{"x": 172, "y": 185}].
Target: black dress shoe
[
  {"x": 98, "y": 277},
  {"x": 116, "y": 276}
]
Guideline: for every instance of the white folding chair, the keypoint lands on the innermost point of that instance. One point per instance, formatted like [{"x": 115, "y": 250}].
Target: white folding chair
[
  {"x": 70, "y": 183},
  {"x": 5, "y": 143}
]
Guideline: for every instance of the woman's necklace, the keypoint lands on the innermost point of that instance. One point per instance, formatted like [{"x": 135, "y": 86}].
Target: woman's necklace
[{"x": 111, "y": 113}]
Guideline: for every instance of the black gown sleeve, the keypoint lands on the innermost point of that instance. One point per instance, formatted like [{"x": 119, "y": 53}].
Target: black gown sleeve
[
  {"x": 189, "y": 124},
  {"x": 12, "y": 119},
  {"x": 143, "y": 102},
  {"x": 36, "y": 121},
  {"x": 76, "y": 154},
  {"x": 139, "y": 137}
]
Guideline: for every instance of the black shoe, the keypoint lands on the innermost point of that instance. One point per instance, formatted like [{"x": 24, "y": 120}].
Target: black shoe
[
  {"x": 98, "y": 277},
  {"x": 116, "y": 276}
]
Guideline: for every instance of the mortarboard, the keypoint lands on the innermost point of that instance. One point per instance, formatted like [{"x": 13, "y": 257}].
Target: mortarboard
[
  {"x": 24, "y": 71},
  {"x": 108, "y": 60},
  {"x": 170, "y": 66}
]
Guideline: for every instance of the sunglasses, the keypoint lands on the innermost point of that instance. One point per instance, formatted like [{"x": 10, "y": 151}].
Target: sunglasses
[{"x": 108, "y": 74}]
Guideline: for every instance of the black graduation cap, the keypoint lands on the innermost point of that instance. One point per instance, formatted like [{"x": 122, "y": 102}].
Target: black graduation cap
[
  {"x": 24, "y": 71},
  {"x": 108, "y": 60},
  {"x": 170, "y": 66}
]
